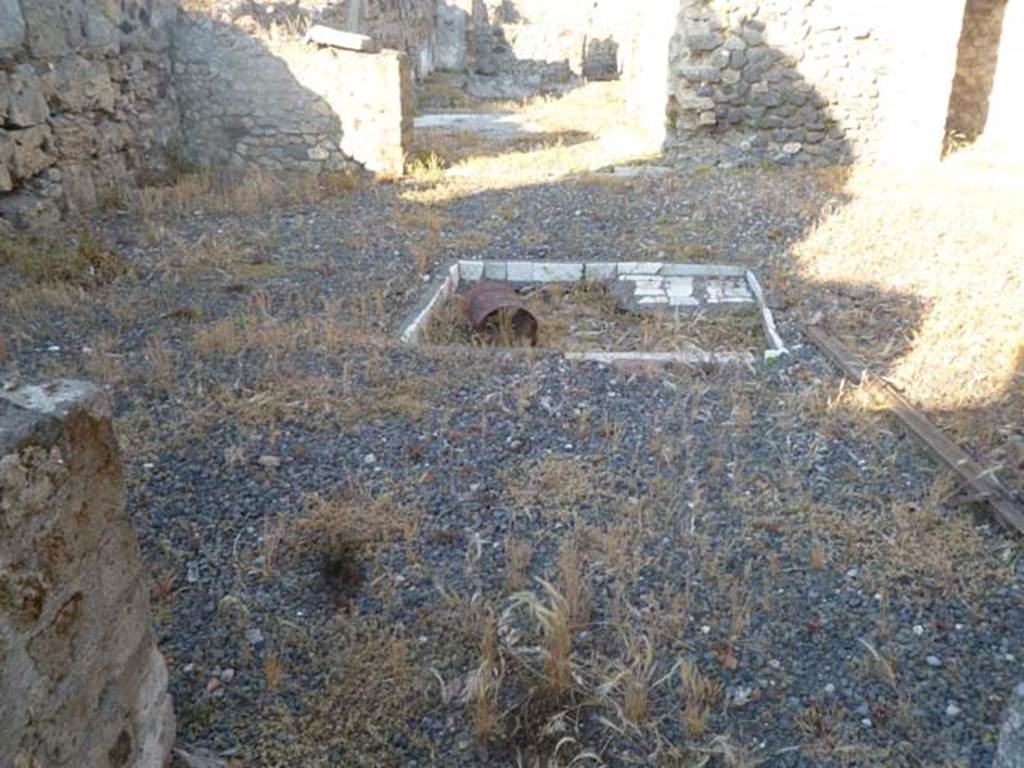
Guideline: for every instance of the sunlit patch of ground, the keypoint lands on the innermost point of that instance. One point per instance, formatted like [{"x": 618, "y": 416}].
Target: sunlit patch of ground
[{"x": 924, "y": 273}]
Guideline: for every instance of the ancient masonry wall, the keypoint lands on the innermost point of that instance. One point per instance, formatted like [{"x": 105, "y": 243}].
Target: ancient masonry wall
[
  {"x": 285, "y": 105},
  {"x": 86, "y": 102},
  {"x": 407, "y": 26},
  {"x": 505, "y": 48},
  {"x": 1006, "y": 107},
  {"x": 82, "y": 682},
  {"x": 823, "y": 80},
  {"x": 978, "y": 58}
]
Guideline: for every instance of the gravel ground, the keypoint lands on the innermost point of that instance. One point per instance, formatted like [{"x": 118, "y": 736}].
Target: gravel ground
[{"x": 340, "y": 531}]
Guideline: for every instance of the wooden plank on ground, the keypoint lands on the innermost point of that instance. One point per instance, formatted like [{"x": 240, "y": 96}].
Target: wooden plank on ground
[{"x": 1008, "y": 509}]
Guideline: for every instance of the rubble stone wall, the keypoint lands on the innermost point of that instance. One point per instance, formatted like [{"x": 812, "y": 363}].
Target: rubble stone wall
[
  {"x": 816, "y": 81},
  {"x": 82, "y": 682},
  {"x": 86, "y": 102},
  {"x": 978, "y": 58},
  {"x": 285, "y": 105},
  {"x": 1005, "y": 106}
]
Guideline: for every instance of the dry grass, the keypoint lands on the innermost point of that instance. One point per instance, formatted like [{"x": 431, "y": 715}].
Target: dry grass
[
  {"x": 572, "y": 572},
  {"x": 919, "y": 546},
  {"x": 518, "y": 553},
  {"x": 585, "y": 317},
  {"x": 578, "y": 132},
  {"x": 84, "y": 260},
  {"x": 484, "y": 685},
  {"x": 555, "y": 484},
  {"x": 638, "y": 680},
  {"x": 922, "y": 273},
  {"x": 553, "y": 616},
  {"x": 249, "y": 193},
  {"x": 699, "y": 695}
]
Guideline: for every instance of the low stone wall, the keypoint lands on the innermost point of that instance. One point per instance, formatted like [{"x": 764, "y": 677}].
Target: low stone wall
[
  {"x": 81, "y": 680},
  {"x": 86, "y": 102},
  {"x": 284, "y": 105}
]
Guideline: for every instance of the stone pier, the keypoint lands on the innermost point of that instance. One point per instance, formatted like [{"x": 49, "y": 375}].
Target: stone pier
[{"x": 82, "y": 682}]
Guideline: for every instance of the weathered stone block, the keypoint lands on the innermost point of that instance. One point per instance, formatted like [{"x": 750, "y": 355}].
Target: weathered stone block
[
  {"x": 701, "y": 74},
  {"x": 703, "y": 40},
  {"x": 26, "y": 103},
  {"x": 78, "y": 84},
  {"x": 751, "y": 36},
  {"x": 555, "y": 272},
  {"x": 6, "y": 161},
  {"x": 12, "y": 26},
  {"x": 730, "y": 76},
  {"x": 30, "y": 151},
  {"x": 79, "y": 189},
  {"x": 81, "y": 680},
  {"x": 76, "y": 138},
  {"x": 735, "y": 43},
  {"x": 46, "y": 28}
]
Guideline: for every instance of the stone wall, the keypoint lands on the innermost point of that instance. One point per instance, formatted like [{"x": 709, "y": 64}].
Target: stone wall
[
  {"x": 86, "y": 102},
  {"x": 81, "y": 680},
  {"x": 1006, "y": 108},
  {"x": 976, "y": 67},
  {"x": 810, "y": 82},
  {"x": 407, "y": 26},
  {"x": 518, "y": 48},
  {"x": 986, "y": 101},
  {"x": 278, "y": 103},
  {"x": 816, "y": 81}
]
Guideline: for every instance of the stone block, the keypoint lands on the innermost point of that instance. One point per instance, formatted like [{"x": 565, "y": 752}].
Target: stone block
[
  {"x": 471, "y": 271},
  {"x": 726, "y": 291},
  {"x": 630, "y": 268},
  {"x": 599, "y": 270},
  {"x": 6, "y": 161},
  {"x": 703, "y": 41},
  {"x": 735, "y": 43},
  {"x": 520, "y": 271},
  {"x": 76, "y": 138},
  {"x": 720, "y": 58},
  {"x": 30, "y": 152},
  {"x": 752, "y": 36},
  {"x": 79, "y": 189},
  {"x": 26, "y": 104},
  {"x": 696, "y": 103},
  {"x": 27, "y": 211},
  {"x": 81, "y": 679},
  {"x": 12, "y": 27},
  {"x": 496, "y": 270},
  {"x": 555, "y": 272},
  {"x": 46, "y": 28},
  {"x": 701, "y": 74}
]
